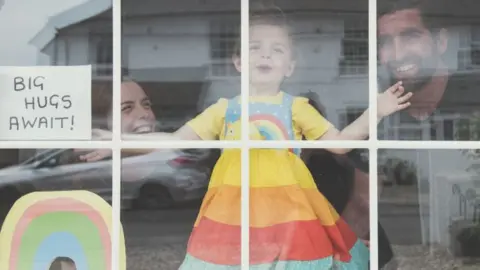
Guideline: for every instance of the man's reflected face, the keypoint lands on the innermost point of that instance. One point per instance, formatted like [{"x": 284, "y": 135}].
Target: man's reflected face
[{"x": 407, "y": 48}]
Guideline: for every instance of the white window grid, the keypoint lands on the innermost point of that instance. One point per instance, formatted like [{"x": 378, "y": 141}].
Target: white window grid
[
  {"x": 469, "y": 52},
  {"x": 116, "y": 144}
]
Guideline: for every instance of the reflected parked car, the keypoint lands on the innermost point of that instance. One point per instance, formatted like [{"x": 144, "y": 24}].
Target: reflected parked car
[{"x": 156, "y": 180}]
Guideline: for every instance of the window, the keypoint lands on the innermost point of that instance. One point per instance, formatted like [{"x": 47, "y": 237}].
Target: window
[
  {"x": 411, "y": 183},
  {"x": 426, "y": 150},
  {"x": 350, "y": 115},
  {"x": 469, "y": 52},
  {"x": 223, "y": 36},
  {"x": 101, "y": 53},
  {"x": 60, "y": 61},
  {"x": 354, "y": 59}
]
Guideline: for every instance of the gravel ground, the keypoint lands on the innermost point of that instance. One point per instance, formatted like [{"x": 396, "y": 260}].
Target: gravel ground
[
  {"x": 166, "y": 257},
  {"x": 421, "y": 258}
]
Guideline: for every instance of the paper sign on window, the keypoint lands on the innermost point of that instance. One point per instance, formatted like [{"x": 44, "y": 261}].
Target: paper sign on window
[{"x": 45, "y": 103}]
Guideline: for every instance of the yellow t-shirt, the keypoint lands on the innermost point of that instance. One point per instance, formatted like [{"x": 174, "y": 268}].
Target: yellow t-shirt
[{"x": 307, "y": 121}]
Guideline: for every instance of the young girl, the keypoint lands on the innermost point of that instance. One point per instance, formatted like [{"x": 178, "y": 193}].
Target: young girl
[{"x": 292, "y": 225}]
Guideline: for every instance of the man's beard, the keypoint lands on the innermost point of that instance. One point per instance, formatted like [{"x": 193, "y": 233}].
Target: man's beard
[
  {"x": 427, "y": 67},
  {"x": 414, "y": 84}
]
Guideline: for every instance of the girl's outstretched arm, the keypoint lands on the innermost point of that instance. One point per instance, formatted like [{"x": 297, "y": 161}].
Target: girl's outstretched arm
[
  {"x": 184, "y": 133},
  {"x": 388, "y": 102}
]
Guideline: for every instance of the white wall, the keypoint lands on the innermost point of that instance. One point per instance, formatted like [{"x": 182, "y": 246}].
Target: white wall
[{"x": 166, "y": 43}]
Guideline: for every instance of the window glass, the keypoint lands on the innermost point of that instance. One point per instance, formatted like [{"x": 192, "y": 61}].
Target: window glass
[
  {"x": 57, "y": 34},
  {"x": 428, "y": 206},
  {"x": 436, "y": 59},
  {"x": 427, "y": 201},
  {"x": 65, "y": 192}
]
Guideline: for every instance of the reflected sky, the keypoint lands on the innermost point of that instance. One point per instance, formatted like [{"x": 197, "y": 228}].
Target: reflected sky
[{"x": 20, "y": 21}]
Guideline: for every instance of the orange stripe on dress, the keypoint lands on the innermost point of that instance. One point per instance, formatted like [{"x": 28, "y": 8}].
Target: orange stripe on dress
[{"x": 268, "y": 206}]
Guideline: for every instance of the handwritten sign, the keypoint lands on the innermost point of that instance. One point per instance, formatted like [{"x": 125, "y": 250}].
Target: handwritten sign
[{"x": 45, "y": 103}]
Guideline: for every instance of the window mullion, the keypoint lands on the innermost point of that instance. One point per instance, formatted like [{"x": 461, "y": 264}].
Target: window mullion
[
  {"x": 116, "y": 136},
  {"x": 245, "y": 79},
  {"x": 373, "y": 138}
]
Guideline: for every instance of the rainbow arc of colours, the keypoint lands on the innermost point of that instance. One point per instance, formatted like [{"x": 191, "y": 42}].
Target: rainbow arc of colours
[{"x": 44, "y": 225}]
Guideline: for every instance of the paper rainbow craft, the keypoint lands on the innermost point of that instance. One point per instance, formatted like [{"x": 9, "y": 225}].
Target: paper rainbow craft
[{"x": 44, "y": 225}]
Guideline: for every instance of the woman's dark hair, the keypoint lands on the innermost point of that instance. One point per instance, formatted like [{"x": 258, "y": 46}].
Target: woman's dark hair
[
  {"x": 102, "y": 96},
  {"x": 57, "y": 263}
]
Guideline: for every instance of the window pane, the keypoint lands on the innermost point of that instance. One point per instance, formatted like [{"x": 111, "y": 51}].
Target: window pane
[
  {"x": 57, "y": 34},
  {"x": 429, "y": 207},
  {"x": 442, "y": 77},
  {"x": 312, "y": 49},
  {"x": 59, "y": 200},
  {"x": 178, "y": 62},
  {"x": 164, "y": 222}
]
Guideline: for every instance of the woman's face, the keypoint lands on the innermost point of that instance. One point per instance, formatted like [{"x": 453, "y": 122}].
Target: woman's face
[{"x": 137, "y": 114}]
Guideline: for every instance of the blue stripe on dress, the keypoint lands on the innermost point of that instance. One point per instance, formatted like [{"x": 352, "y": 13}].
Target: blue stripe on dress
[{"x": 360, "y": 258}]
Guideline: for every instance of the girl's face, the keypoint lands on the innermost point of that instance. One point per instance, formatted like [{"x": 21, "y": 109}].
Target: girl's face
[
  {"x": 137, "y": 115},
  {"x": 271, "y": 59}
]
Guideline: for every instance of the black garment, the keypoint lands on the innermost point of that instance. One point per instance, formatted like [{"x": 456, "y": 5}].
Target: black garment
[
  {"x": 335, "y": 180},
  {"x": 460, "y": 100},
  {"x": 385, "y": 252}
]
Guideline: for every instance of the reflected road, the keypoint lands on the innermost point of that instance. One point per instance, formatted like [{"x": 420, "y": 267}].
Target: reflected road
[{"x": 158, "y": 239}]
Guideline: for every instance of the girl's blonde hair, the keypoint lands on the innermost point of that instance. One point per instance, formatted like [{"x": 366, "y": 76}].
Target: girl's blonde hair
[{"x": 261, "y": 14}]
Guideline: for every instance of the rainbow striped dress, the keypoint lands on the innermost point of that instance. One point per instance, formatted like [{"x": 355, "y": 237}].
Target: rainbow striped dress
[{"x": 292, "y": 225}]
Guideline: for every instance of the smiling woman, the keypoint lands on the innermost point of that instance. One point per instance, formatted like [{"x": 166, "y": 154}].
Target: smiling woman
[{"x": 137, "y": 114}]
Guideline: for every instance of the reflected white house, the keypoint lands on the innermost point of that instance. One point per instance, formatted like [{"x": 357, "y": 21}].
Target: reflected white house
[{"x": 184, "y": 47}]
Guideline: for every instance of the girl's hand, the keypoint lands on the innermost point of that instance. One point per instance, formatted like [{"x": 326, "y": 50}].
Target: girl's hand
[
  {"x": 94, "y": 155},
  {"x": 392, "y": 100},
  {"x": 102, "y": 135}
]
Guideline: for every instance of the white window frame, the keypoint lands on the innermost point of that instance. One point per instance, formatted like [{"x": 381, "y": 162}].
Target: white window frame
[{"x": 116, "y": 144}]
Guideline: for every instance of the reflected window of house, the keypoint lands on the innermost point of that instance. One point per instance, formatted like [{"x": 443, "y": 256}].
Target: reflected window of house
[
  {"x": 223, "y": 36},
  {"x": 354, "y": 59},
  {"x": 101, "y": 53},
  {"x": 469, "y": 48}
]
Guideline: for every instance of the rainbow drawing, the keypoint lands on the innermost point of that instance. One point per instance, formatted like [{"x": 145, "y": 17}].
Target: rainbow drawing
[
  {"x": 270, "y": 127},
  {"x": 42, "y": 226}
]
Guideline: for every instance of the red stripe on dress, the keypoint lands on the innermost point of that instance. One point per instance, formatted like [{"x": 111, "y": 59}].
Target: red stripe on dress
[{"x": 219, "y": 243}]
